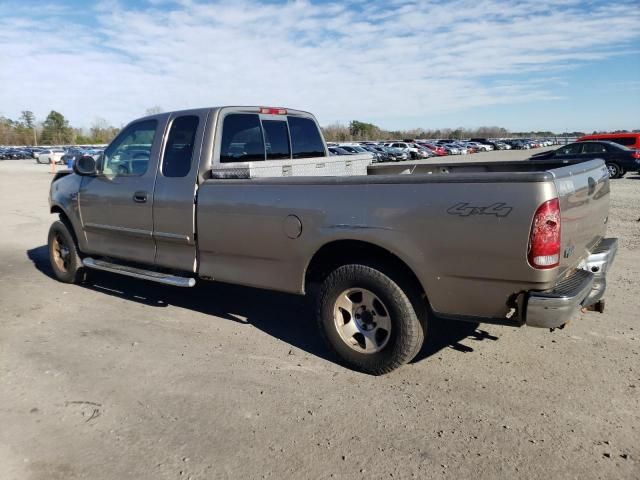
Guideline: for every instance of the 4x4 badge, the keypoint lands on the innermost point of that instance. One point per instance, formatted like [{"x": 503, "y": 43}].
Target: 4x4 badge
[{"x": 465, "y": 210}]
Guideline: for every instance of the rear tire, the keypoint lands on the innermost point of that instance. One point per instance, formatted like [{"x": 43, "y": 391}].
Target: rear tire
[
  {"x": 614, "y": 170},
  {"x": 371, "y": 317},
  {"x": 63, "y": 254}
]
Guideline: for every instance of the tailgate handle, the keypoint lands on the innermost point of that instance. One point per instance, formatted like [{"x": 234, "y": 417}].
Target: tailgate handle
[{"x": 592, "y": 185}]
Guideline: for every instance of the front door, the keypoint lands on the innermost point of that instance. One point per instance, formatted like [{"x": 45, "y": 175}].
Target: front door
[{"x": 116, "y": 206}]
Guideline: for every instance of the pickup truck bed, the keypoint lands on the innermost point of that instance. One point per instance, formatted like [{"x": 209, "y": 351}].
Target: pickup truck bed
[{"x": 425, "y": 220}]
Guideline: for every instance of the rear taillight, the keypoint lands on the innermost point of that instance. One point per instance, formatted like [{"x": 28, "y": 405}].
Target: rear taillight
[
  {"x": 544, "y": 240},
  {"x": 636, "y": 154}
]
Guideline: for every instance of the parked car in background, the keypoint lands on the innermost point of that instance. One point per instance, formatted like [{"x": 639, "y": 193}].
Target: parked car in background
[
  {"x": 50, "y": 154},
  {"x": 452, "y": 149},
  {"x": 386, "y": 153},
  {"x": 70, "y": 156},
  {"x": 12, "y": 153},
  {"x": 618, "y": 158},
  {"x": 334, "y": 150},
  {"x": 477, "y": 147},
  {"x": 35, "y": 151},
  {"x": 420, "y": 151},
  {"x": 378, "y": 156},
  {"x": 436, "y": 149},
  {"x": 519, "y": 145},
  {"x": 353, "y": 149},
  {"x": 398, "y": 154},
  {"x": 411, "y": 149},
  {"x": 629, "y": 140}
]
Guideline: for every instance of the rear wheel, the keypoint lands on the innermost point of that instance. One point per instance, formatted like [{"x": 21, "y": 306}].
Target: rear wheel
[
  {"x": 614, "y": 170},
  {"x": 63, "y": 254},
  {"x": 370, "y": 321}
]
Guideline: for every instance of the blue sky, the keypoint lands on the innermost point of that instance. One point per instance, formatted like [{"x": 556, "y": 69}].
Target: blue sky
[{"x": 526, "y": 64}]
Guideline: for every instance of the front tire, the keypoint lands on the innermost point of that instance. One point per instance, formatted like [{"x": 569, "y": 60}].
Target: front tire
[
  {"x": 63, "y": 254},
  {"x": 368, "y": 319}
]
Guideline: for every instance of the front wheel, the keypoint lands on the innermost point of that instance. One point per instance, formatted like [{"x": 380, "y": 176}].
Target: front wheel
[
  {"x": 614, "y": 170},
  {"x": 63, "y": 254},
  {"x": 368, "y": 319}
]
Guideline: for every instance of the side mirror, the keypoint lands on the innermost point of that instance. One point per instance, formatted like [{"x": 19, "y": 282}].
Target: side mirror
[{"x": 85, "y": 166}]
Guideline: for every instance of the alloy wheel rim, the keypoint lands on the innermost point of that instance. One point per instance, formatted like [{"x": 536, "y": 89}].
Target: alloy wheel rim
[
  {"x": 362, "y": 320},
  {"x": 61, "y": 254}
]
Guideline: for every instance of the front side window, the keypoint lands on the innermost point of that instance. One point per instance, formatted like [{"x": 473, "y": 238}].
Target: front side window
[
  {"x": 276, "y": 139},
  {"x": 130, "y": 152},
  {"x": 241, "y": 138},
  {"x": 306, "y": 141},
  {"x": 178, "y": 152},
  {"x": 572, "y": 149}
]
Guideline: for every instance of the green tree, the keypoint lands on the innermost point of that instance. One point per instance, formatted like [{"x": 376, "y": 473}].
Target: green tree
[
  {"x": 56, "y": 130},
  {"x": 101, "y": 131},
  {"x": 363, "y": 131},
  {"x": 28, "y": 120}
]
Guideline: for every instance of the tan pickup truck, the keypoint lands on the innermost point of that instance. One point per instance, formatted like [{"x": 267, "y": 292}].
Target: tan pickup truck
[{"x": 250, "y": 196}]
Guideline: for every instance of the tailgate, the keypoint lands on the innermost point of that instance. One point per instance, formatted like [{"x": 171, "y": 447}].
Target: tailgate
[{"x": 583, "y": 191}]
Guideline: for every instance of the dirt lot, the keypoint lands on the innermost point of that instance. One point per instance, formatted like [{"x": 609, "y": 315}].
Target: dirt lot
[{"x": 120, "y": 379}]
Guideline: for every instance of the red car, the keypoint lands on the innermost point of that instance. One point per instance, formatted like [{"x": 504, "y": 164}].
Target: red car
[
  {"x": 629, "y": 140},
  {"x": 438, "y": 150}
]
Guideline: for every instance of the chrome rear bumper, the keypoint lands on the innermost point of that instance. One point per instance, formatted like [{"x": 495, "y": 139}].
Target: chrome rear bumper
[{"x": 583, "y": 287}]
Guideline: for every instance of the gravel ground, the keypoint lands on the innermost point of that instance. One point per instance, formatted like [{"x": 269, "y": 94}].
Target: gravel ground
[{"x": 120, "y": 379}]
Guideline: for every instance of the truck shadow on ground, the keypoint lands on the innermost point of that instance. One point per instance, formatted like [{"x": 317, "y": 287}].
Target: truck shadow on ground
[{"x": 286, "y": 317}]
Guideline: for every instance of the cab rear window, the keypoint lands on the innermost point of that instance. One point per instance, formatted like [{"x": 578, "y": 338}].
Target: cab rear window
[
  {"x": 248, "y": 137},
  {"x": 242, "y": 139},
  {"x": 276, "y": 137},
  {"x": 306, "y": 141}
]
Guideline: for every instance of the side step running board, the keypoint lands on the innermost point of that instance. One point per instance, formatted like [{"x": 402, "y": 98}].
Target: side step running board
[{"x": 159, "y": 277}]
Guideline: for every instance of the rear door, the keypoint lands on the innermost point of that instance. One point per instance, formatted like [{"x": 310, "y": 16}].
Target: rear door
[
  {"x": 116, "y": 205},
  {"x": 174, "y": 198}
]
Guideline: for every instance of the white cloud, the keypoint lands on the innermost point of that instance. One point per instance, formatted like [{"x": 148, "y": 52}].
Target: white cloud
[{"x": 388, "y": 60}]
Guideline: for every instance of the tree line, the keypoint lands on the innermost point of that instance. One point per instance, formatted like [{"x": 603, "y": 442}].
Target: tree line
[
  {"x": 56, "y": 130},
  {"x": 358, "y": 131},
  {"x": 53, "y": 130}
]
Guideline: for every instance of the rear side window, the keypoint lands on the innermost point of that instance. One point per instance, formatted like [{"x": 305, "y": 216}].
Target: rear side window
[
  {"x": 179, "y": 149},
  {"x": 241, "y": 138},
  {"x": 594, "y": 148},
  {"x": 306, "y": 141},
  {"x": 276, "y": 139}
]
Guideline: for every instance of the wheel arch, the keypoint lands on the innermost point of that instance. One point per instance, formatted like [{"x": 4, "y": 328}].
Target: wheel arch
[
  {"x": 343, "y": 252},
  {"x": 66, "y": 219}
]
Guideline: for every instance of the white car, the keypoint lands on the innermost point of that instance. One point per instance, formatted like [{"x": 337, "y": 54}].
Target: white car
[
  {"x": 46, "y": 155},
  {"x": 405, "y": 146},
  {"x": 481, "y": 146}
]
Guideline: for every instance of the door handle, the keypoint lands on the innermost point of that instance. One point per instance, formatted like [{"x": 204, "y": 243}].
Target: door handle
[{"x": 140, "y": 197}]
